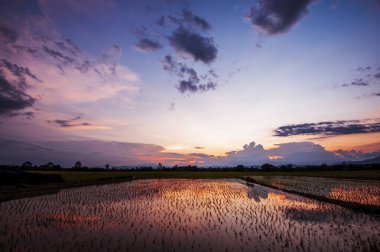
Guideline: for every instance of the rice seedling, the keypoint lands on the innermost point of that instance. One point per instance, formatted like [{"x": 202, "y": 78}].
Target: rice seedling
[
  {"x": 182, "y": 215},
  {"x": 355, "y": 191}
]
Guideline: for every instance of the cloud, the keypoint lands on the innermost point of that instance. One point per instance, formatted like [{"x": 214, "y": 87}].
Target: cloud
[
  {"x": 187, "y": 19},
  {"x": 191, "y": 82},
  {"x": 98, "y": 153},
  {"x": 13, "y": 86},
  {"x": 251, "y": 154},
  {"x": 12, "y": 99},
  {"x": 172, "y": 106},
  {"x": 198, "y": 47},
  {"x": 302, "y": 153},
  {"x": 299, "y": 153},
  {"x": 147, "y": 45},
  {"x": 161, "y": 21},
  {"x": 208, "y": 86},
  {"x": 188, "y": 40},
  {"x": 57, "y": 73},
  {"x": 89, "y": 152},
  {"x": 368, "y": 95},
  {"x": 7, "y": 35},
  {"x": 277, "y": 16},
  {"x": 69, "y": 123},
  {"x": 85, "y": 8},
  {"x": 356, "y": 155},
  {"x": 192, "y": 87},
  {"x": 20, "y": 72},
  {"x": 199, "y": 147},
  {"x": 187, "y": 86},
  {"x": 359, "y": 82},
  {"x": 196, "y": 20},
  {"x": 200, "y": 155},
  {"x": 362, "y": 69},
  {"x": 329, "y": 128},
  {"x": 367, "y": 76}
]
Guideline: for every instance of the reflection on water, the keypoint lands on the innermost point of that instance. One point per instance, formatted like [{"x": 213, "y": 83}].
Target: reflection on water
[
  {"x": 356, "y": 191},
  {"x": 182, "y": 215}
]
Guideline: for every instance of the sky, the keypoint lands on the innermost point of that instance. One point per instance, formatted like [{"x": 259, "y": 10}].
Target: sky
[{"x": 207, "y": 83}]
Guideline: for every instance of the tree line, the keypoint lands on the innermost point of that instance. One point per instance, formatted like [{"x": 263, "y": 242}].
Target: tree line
[{"x": 50, "y": 166}]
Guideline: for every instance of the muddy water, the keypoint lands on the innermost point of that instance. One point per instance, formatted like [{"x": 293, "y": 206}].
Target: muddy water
[{"x": 182, "y": 215}]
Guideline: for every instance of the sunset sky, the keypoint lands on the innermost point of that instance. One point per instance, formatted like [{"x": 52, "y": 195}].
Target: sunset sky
[{"x": 212, "y": 83}]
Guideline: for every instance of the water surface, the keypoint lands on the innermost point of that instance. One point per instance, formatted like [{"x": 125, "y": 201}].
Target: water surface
[
  {"x": 182, "y": 215},
  {"x": 366, "y": 192}
]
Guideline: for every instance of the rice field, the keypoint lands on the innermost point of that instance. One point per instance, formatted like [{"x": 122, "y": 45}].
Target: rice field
[
  {"x": 182, "y": 215},
  {"x": 354, "y": 191}
]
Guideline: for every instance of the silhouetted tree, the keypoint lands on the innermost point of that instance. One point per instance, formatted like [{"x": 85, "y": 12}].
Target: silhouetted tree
[
  {"x": 27, "y": 165},
  {"x": 78, "y": 164},
  {"x": 107, "y": 166},
  {"x": 267, "y": 167}
]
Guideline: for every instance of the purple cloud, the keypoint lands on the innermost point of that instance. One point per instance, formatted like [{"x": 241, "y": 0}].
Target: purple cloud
[{"x": 277, "y": 16}]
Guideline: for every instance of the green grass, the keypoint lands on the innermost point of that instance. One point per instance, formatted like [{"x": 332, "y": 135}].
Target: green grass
[{"x": 74, "y": 176}]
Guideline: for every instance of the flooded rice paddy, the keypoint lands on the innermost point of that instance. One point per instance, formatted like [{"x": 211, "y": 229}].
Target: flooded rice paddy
[
  {"x": 356, "y": 191},
  {"x": 182, "y": 215}
]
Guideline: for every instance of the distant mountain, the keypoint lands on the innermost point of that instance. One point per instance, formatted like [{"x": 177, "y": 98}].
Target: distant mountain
[{"x": 375, "y": 160}]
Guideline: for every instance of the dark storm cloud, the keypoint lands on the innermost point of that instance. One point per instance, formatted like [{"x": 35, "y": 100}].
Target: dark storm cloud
[
  {"x": 277, "y": 16},
  {"x": 191, "y": 82},
  {"x": 198, "y": 47},
  {"x": 13, "y": 96},
  {"x": 329, "y": 128},
  {"x": 70, "y": 122},
  {"x": 148, "y": 45},
  {"x": 196, "y": 20}
]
